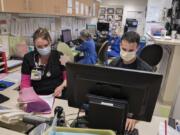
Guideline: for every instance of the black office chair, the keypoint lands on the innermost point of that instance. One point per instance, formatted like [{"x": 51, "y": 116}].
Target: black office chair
[
  {"x": 152, "y": 55},
  {"x": 102, "y": 53}
]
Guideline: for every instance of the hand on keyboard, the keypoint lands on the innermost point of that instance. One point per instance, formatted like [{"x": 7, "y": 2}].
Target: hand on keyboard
[
  {"x": 130, "y": 124},
  {"x": 132, "y": 132}
]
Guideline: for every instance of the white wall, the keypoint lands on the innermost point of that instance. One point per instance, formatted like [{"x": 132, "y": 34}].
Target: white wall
[
  {"x": 25, "y": 25},
  {"x": 175, "y": 111},
  {"x": 129, "y": 5},
  {"x": 155, "y": 13}
]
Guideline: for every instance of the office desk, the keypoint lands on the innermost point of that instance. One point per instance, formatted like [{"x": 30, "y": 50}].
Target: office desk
[
  {"x": 144, "y": 127},
  {"x": 171, "y": 66},
  {"x": 4, "y": 131}
]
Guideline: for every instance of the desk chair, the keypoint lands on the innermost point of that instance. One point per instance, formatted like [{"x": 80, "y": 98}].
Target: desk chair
[
  {"x": 152, "y": 55},
  {"x": 102, "y": 53},
  {"x": 65, "y": 49}
]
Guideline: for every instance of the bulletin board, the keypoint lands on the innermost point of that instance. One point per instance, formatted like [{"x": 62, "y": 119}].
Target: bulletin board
[{"x": 113, "y": 15}]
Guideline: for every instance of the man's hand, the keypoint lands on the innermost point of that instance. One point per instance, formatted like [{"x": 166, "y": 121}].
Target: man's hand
[
  {"x": 58, "y": 91},
  {"x": 64, "y": 59},
  {"x": 130, "y": 124}
]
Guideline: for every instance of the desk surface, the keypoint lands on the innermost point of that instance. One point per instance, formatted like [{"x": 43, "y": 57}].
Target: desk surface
[
  {"x": 4, "y": 131},
  {"x": 160, "y": 41},
  {"x": 144, "y": 127}
]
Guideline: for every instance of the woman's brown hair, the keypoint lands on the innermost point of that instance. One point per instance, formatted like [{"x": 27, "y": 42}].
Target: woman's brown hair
[{"x": 42, "y": 33}]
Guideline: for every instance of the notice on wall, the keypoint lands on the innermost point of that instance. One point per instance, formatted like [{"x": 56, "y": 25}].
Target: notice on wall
[
  {"x": 69, "y": 7},
  {"x": 70, "y": 4},
  {"x": 94, "y": 9},
  {"x": 153, "y": 14},
  {"x": 82, "y": 9},
  {"x": 77, "y": 7},
  {"x": 86, "y": 10},
  {"x": 4, "y": 44},
  {"x": 69, "y": 10},
  {"x": 4, "y": 30}
]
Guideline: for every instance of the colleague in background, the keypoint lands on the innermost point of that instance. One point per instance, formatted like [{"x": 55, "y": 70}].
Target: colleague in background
[
  {"x": 88, "y": 48},
  {"x": 114, "y": 41},
  {"x": 17, "y": 47},
  {"x": 43, "y": 69},
  {"x": 129, "y": 60}
]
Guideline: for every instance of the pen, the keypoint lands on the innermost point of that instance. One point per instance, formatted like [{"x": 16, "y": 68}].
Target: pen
[
  {"x": 53, "y": 131},
  {"x": 165, "y": 123}
]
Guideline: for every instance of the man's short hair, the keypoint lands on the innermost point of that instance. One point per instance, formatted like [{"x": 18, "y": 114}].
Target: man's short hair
[{"x": 131, "y": 37}]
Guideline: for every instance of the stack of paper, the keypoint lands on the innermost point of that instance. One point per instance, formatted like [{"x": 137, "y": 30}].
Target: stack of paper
[
  {"x": 69, "y": 133},
  {"x": 13, "y": 63},
  {"x": 8, "y": 115}
]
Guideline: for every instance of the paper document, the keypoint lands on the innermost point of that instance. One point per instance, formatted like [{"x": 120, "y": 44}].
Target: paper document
[
  {"x": 14, "y": 77},
  {"x": 13, "y": 63},
  {"x": 36, "y": 103},
  {"x": 170, "y": 130},
  {"x": 69, "y": 133},
  {"x": 12, "y": 117},
  {"x": 49, "y": 99}
]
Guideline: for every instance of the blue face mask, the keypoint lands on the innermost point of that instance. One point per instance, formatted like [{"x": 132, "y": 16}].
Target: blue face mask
[{"x": 45, "y": 51}]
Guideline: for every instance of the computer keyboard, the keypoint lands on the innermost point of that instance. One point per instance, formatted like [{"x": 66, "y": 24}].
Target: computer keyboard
[{"x": 133, "y": 132}]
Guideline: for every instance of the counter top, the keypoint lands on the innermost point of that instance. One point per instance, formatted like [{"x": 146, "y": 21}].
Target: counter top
[{"x": 161, "y": 41}]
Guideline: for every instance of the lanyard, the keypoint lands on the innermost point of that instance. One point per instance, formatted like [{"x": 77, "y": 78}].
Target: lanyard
[{"x": 38, "y": 66}]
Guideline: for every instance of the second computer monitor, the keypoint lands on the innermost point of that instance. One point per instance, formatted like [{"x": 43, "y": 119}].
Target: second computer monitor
[
  {"x": 102, "y": 26},
  {"x": 140, "y": 89},
  {"x": 66, "y": 36}
]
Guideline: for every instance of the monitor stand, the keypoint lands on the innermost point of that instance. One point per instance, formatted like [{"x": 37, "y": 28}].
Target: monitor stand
[{"x": 104, "y": 113}]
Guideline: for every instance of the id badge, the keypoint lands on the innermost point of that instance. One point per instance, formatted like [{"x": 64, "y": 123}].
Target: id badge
[{"x": 36, "y": 75}]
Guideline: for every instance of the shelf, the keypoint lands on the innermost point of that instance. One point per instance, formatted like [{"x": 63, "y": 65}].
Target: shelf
[
  {"x": 1, "y": 69},
  {"x": 2, "y": 63}
]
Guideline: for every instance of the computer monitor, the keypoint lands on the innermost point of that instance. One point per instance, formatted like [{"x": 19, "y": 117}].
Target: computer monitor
[
  {"x": 132, "y": 23},
  {"x": 66, "y": 36},
  {"x": 102, "y": 26},
  {"x": 134, "y": 90},
  {"x": 91, "y": 28}
]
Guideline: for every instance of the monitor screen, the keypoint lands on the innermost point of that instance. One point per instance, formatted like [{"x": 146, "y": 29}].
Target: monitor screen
[
  {"x": 91, "y": 29},
  {"x": 66, "y": 36},
  {"x": 132, "y": 22},
  {"x": 101, "y": 26},
  {"x": 140, "y": 89}
]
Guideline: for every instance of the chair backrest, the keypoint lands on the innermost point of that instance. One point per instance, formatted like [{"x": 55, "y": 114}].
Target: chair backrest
[
  {"x": 66, "y": 50},
  {"x": 102, "y": 53},
  {"x": 152, "y": 54}
]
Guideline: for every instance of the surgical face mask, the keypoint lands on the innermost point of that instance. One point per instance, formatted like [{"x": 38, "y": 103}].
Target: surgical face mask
[
  {"x": 45, "y": 51},
  {"x": 127, "y": 56}
]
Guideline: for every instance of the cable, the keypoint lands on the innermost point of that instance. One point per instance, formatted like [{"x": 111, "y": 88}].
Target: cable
[
  {"x": 78, "y": 116},
  {"x": 71, "y": 114},
  {"x": 70, "y": 119}
]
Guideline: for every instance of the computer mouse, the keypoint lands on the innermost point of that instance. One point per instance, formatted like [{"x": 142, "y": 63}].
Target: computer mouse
[{"x": 3, "y": 85}]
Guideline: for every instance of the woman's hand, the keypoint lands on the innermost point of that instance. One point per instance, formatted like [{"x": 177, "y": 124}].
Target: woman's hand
[
  {"x": 130, "y": 124},
  {"x": 58, "y": 91},
  {"x": 22, "y": 106},
  {"x": 64, "y": 59}
]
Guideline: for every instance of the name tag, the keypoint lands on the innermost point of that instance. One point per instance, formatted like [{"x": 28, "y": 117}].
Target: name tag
[{"x": 36, "y": 74}]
